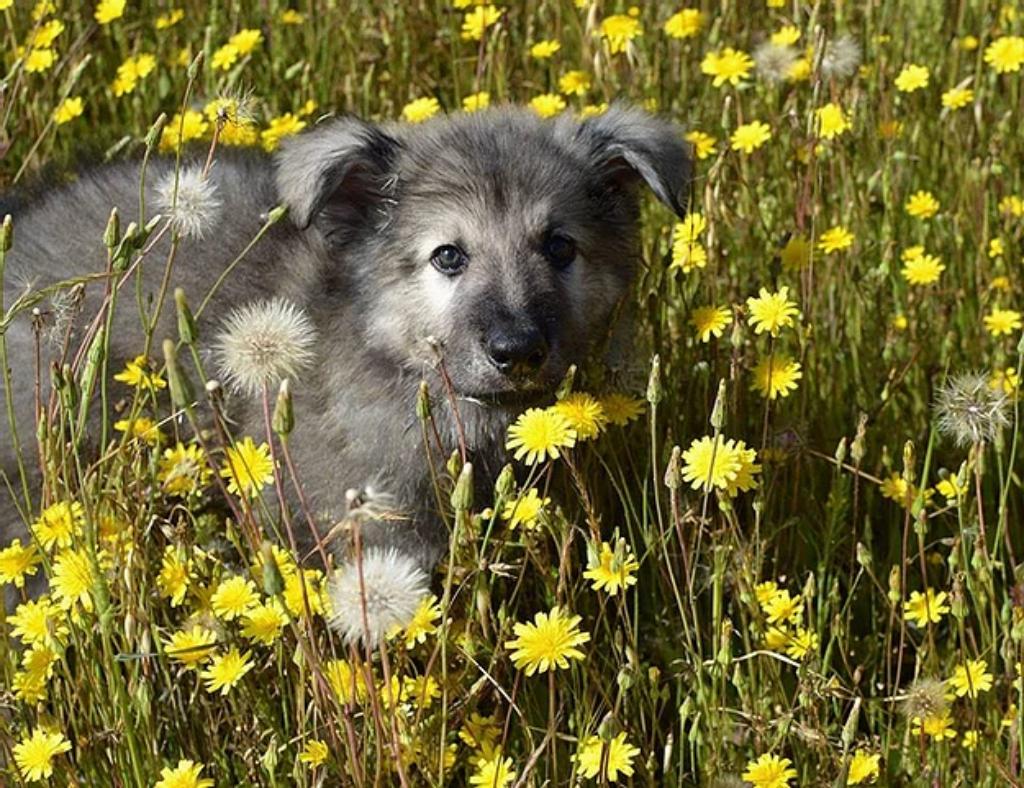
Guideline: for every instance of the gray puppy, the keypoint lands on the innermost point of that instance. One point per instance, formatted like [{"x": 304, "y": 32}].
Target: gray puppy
[{"x": 497, "y": 241}]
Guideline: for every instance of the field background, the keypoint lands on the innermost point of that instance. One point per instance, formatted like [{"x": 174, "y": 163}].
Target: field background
[{"x": 694, "y": 666}]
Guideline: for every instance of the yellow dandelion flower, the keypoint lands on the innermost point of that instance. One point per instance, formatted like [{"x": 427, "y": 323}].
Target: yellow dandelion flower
[
  {"x": 970, "y": 739},
  {"x": 525, "y": 510},
  {"x": 547, "y": 104},
  {"x": 183, "y": 470},
  {"x": 831, "y": 121},
  {"x": 34, "y": 754},
  {"x": 769, "y": 771},
  {"x": 420, "y": 109},
  {"x": 618, "y": 30},
  {"x": 584, "y": 414},
  {"x": 710, "y": 462},
  {"x": 776, "y": 376},
  {"x": 225, "y": 671},
  {"x": 141, "y": 428},
  {"x": 280, "y": 127},
  {"x": 183, "y": 128},
  {"x": 727, "y": 65},
  {"x": 621, "y": 409},
  {"x": 971, "y": 679},
  {"x": 491, "y": 771},
  {"x": 38, "y": 621},
  {"x": 137, "y": 373},
  {"x": 703, "y": 144},
  {"x": 750, "y": 136},
  {"x": 1005, "y": 54},
  {"x": 911, "y": 78},
  {"x": 109, "y": 10},
  {"x": 785, "y": 36},
  {"x": 922, "y": 205},
  {"x": 593, "y": 110},
  {"x": 548, "y": 643},
  {"x": 247, "y": 467},
  {"x": 69, "y": 109},
  {"x": 771, "y": 312},
  {"x": 170, "y": 19},
  {"x": 937, "y": 726},
  {"x": 348, "y": 685},
  {"x": 782, "y": 608},
  {"x": 802, "y": 642},
  {"x": 174, "y": 577},
  {"x": 864, "y": 767},
  {"x": 58, "y": 524},
  {"x": 17, "y": 563},
  {"x": 246, "y": 40},
  {"x": 605, "y": 760},
  {"x": 234, "y": 597},
  {"x": 1007, "y": 379},
  {"x": 476, "y": 101},
  {"x": 290, "y": 16},
  {"x": 72, "y": 579},
  {"x": 476, "y": 22},
  {"x": 264, "y": 622},
  {"x": 225, "y": 57},
  {"x": 187, "y": 774},
  {"x": 765, "y": 591},
  {"x": 924, "y": 269},
  {"x": 314, "y": 753},
  {"x": 543, "y": 50},
  {"x": 1002, "y": 322},
  {"x": 1012, "y": 205},
  {"x": 539, "y": 434},
  {"x": 684, "y": 24},
  {"x": 39, "y": 60},
  {"x": 574, "y": 83},
  {"x": 835, "y": 239},
  {"x": 611, "y": 570},
  {"x": 921, "y": 609},
  {"x": 423, "y": 622},
  {"x": 708, "y": 321},
  {"x": 957, "y": 98}
]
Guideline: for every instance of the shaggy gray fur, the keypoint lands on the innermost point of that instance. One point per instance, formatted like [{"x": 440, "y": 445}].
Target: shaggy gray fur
[{"x": 368, "y": 205}]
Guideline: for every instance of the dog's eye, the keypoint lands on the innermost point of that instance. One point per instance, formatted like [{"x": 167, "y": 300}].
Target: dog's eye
[
  {"x": 449, "y": 259},
  {"x": 560, "y": 250}
]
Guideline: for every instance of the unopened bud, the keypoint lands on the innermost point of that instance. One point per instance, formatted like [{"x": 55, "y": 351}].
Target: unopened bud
[
  {"x": 284, "y": 415},
  {"x": 462, "y": 495},
  {"x": 565, "y": 387},
  {"x": 7, "y": 234},
  {"x": 654, "y": 381},
  {"x": 186, "y": 321},
  {"x": 273, "y": 582},
  {"x": 718, "y": 409},
  {"x": 112, "y": 233},
  {"x": 182, "y": 393},
  {"x": 672, "y": 477},
  {"x": 505, "y": 485},
  {"x": 155, "y": 131},
  {"x": 423, "y": 402}
]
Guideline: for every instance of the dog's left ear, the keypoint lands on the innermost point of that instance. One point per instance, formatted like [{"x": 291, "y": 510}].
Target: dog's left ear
[{"x": 627, "y": 142}]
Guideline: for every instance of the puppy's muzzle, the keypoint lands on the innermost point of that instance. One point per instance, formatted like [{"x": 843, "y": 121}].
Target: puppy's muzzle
[{"x": 518, "y": 352}]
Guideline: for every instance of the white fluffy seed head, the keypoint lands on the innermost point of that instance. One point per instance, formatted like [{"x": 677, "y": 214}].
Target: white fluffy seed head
[
  {"x": 841, "y": 58},
  {"x": 189, "y": 200},
  {"x": 262, "y": 343},
  {"x": 393, "y": 585},
  {"x": 970, "y": 410},
  {"x": 773, "y": 61}
]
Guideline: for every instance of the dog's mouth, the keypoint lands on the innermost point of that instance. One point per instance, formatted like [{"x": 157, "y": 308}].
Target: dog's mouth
[{"x": 517, "y": 399}]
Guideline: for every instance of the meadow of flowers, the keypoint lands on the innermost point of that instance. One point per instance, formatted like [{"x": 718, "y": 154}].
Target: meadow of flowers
[{"x": 783, "y": 553}]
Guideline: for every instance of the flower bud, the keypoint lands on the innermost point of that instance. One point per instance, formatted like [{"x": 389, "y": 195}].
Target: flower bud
[
  {"x": 284, "y": 415},
  {"x": 186, "y": 321}
]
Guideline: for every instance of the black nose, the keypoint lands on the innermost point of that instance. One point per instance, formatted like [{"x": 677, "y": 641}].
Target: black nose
[{"x": 517, "y": 352}]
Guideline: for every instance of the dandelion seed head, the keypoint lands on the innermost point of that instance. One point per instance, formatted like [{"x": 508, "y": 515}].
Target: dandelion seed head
[
  {"x": 264, "y": 342},
  {"x": 841, "y": 58},
  {"x": 393, "y": 585},
  {"x": 969, "y": 410},
  {"x": 190, "y": 201},
  {"x": 926, "y": 697},
  {"x": 773, "y": 61}
]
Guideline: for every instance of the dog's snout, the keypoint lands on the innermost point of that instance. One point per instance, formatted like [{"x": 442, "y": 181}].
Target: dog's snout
[{"x": 517, "y": 352}]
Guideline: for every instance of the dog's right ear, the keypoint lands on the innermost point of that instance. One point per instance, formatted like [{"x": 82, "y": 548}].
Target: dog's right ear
[{"x": 336, "y": 176}]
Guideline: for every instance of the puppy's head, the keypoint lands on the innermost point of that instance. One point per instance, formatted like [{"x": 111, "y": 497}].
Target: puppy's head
[{"x": 503, "y": 240}]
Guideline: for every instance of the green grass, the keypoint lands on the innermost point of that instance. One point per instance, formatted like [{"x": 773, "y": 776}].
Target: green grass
[{"x": 679, "y": 662}]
